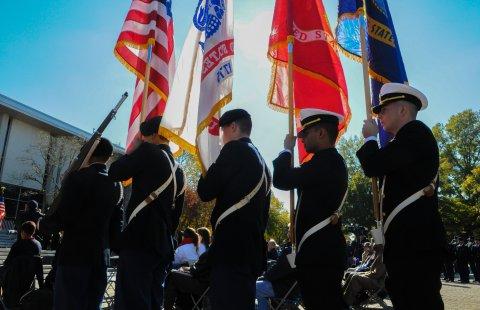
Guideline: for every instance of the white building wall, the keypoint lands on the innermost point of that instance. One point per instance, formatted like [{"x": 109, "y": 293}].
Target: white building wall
[{"x": 20, "y": 151}]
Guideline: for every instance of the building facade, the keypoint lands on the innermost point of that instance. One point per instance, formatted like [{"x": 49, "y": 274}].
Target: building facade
[{"x": 35, "y": 151}]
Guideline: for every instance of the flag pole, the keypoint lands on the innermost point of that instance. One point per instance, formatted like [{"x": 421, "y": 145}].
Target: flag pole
[
  {"x": 290, "y": 129},
  {"x": 291, "y": 114},
  {"x": 143, "y": 112},
  {"x": 368, "y": 110}
]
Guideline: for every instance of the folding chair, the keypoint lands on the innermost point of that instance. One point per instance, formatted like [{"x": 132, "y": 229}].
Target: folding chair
[
  {"x": 109, "y": 296},
  {"x": 202, "y": 303},
  {"x": 289, "y": 300},
  {"x": 374, "y": 296}
]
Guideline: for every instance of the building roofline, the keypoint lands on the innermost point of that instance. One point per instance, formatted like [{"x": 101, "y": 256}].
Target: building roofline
[{"x": 50, "y": 123}]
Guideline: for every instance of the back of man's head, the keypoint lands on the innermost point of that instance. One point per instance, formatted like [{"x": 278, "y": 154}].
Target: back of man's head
[
  {"x": 28, "y": 228},
  {"x": 103, "y": 151},
  {"x": 245, "y": 125}
]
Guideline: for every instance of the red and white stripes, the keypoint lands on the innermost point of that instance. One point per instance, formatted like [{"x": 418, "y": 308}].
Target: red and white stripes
[{"x": 147, "y": 21}]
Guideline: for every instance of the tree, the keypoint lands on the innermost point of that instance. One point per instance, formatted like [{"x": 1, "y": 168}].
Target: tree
[
  {"x": 357, "y": 210},
  {"x": 48, "y": 160},
  {"x": 195, "y": 212},
  {"x": 279, "y": 218},
  {"x": 459, "y": 192}
]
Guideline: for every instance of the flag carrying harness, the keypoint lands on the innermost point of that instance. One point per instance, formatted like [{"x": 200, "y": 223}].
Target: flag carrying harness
[
  {"x": 154, "y": 195},
  {"x": 426, "y": 191},
  {"x": 323, "y": 223},
  {"x": 247, "y": 198}
]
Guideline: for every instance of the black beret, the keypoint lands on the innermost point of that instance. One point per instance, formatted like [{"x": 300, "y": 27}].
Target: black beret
[
  {"x": 104, "y": 148},
  {"x": 151, "y": 126},
  {"x": 232, "y": 116}
]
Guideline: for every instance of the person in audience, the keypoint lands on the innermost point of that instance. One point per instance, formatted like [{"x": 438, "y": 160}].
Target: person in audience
[
  {"x": 272, "y": 250},
  {"x": 368, "y": 257},
  {"x": 372, "y": 279},
  {"x": 189, "y": 250},
  {"x": 276, "y": 281},
  {"x": 187, "y": 280},
  {"x": 26, "y": 246},
  {"x": 205, "y": 238},
  {"x": 90, "y": 215},
  {"x": 31, "y": 212},
  {"x": 367, "y": 251},
  {"x": 22, "y": 265}
]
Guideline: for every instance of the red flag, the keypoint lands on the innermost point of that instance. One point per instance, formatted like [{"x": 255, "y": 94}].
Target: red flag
[
  {"x": 318, "y": 76},
  {"x": 147, "y": 21}
]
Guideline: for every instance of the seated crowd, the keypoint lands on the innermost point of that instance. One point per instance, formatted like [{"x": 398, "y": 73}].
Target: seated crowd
[
  {"x": 189, "y": 277},
  {"x": 188, "y": 281}
]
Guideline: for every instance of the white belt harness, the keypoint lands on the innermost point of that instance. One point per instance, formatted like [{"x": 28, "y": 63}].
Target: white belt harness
[
  {"x": 246, "y": 199},
  {"x": 154, "y": 195},
  {"x": 322, "y": 224},
  {"x": 407, "y": 201}
]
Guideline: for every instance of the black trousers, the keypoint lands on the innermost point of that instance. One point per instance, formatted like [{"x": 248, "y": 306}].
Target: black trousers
[
  {"x": 140, "y": 281},
  {"x": 474, "y": 269},
  {"x": 477, "y": 265},
  {"x": 79, "y": 287},
  {"x": 463, "y": 270},
  {"x": 321, "y": 286},
  {"x": 178, "y": 283},
  {"x": 420, "y": 291},
  {"x": 449, "y": 273},
  {"x": 232, "y": 287}
]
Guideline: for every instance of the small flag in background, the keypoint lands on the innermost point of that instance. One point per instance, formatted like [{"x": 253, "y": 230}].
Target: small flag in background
[
  {"x": 2, "y": 205},
  {"x": 384, "y": 57},
  {"x": 318, "y": 76},
  {"x": 147, "y": 21}
]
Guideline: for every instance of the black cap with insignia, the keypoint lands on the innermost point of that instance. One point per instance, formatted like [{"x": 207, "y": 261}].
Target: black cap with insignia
[
  {"x": 311, "y": 117},
  {"x": 150, "y": 126},
  {"x": 231, "y": 116}
]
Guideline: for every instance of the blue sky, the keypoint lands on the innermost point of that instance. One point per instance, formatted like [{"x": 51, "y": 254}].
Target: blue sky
[{"x": 56, "y": 56}]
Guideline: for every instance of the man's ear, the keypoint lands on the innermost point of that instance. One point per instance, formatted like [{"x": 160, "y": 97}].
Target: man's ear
[{"x": 322, "y": 132}]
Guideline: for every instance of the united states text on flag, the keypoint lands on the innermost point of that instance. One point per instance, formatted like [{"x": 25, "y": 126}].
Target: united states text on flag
[{"x": 318, "y": 77}]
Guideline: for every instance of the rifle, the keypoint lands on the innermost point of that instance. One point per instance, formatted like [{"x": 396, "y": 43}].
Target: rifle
[{"x": 87, "y": 149}]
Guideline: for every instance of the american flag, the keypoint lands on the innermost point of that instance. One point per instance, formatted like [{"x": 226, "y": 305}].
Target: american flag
[
  {"x": 2, "y": 206},
  {"x": 147, "y": 21}
]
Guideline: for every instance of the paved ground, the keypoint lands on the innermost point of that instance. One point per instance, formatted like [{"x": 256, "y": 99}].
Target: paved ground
[{"x": 455, "y": 296}]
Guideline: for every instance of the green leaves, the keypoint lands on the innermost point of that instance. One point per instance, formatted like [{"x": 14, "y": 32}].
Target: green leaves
[
  {"x": 358, "y": 208},
  {"x": 459, "y": 145}
]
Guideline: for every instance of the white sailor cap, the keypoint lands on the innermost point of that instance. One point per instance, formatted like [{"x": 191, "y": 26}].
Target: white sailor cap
[
  {"x": 391, "y": 92},
  {"x": 310, "y": 117}
]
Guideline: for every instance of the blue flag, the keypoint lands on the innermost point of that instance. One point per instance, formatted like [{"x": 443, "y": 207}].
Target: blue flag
[{"x": 384, "y": 57}]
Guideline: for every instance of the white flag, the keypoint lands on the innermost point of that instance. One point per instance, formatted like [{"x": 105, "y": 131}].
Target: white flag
[{"x": 203, "y": 82}]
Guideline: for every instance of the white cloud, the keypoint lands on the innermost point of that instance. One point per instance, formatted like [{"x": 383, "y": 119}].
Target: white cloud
[{"x": 251, "y": 38}]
